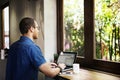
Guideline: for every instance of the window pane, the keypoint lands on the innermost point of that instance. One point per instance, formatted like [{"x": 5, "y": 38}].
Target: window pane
[
  {"x": 107, "y": 24},
  {"x": 5, "y": 12},
  {"x": 74, "y": 26}
]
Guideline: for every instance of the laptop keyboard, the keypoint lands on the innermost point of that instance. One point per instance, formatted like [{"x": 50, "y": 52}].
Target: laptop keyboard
[{"x": 66, "y": 69}]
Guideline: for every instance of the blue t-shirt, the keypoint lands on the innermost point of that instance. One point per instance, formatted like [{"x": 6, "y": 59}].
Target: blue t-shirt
[{"x": 24, "y": 59}]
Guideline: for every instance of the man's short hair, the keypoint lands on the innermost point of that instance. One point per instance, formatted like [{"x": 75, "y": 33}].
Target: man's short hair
[{"x": 25, "y": 24}]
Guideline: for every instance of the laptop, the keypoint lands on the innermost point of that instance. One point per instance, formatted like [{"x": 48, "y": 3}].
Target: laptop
[{"x": 68, "y": 58}]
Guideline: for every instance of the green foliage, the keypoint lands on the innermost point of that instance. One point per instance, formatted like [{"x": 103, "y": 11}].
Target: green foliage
[
  {"x": 73, "y": 22},
  {"x": 107, "y": 28},
  {"x": 107, "y": 18}
]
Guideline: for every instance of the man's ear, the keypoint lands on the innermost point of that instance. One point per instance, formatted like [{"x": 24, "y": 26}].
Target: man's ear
[{"x": 31, "y": 29}]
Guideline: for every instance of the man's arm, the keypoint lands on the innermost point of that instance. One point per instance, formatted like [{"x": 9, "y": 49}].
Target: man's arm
[{"x": 49, "y": 70}]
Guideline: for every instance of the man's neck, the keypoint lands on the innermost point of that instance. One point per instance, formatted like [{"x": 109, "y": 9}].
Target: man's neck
[{"x": 29, "y": 36}]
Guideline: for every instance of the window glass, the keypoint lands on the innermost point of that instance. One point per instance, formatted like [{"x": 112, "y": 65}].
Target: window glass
[
  {"x": 5, "y": 21},
  {"x": 107, "y": 29},
  {"x": 74, "y": 26}
]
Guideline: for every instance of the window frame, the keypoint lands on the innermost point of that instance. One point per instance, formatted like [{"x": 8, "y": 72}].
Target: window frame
[{"x": 89, "y": 60}]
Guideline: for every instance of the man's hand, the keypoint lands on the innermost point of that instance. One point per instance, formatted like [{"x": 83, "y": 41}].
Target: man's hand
[
  {"x": 53, "y": 65},
  {"x": 62, "y": 65}
]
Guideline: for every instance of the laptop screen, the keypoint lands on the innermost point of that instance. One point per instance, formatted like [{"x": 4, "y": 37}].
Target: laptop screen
[{"x": 67, "y": 58}]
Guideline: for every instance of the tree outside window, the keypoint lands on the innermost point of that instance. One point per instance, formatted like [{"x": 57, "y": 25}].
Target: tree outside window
[
  {"x": 74, "y": 26},
  {"x": 107, "y": 29}
]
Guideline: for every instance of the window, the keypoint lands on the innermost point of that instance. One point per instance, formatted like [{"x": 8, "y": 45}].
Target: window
[
  {"x": 73, "y": 26},
  {"x": 107, "y": 24},
  {"x": 90, "y": 59},
  {"x": 5, "y": 27}
]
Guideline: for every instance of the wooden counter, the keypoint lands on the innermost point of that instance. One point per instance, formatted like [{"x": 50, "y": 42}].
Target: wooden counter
[{"x": 88, "y": 74}]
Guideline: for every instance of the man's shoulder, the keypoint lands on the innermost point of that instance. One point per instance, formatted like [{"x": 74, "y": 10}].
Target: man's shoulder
[{"x": 22, "y": 44}]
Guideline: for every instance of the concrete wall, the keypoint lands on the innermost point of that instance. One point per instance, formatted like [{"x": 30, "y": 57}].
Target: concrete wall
[
  {"x": 2, "y": 69},
  {"x": 26, "y": 8},
  {"x": 50, "y": 33}
]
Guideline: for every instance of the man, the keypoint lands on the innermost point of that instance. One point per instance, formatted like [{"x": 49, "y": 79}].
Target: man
[{"x": 25, "y": 58}]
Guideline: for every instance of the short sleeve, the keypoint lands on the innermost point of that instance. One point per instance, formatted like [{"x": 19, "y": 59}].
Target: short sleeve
[{"x": 36, "y": 56}]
